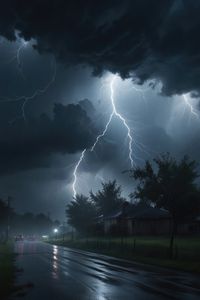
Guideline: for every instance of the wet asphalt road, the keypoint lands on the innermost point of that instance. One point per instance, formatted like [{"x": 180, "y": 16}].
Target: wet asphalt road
[{"x": 62, "y": 273}]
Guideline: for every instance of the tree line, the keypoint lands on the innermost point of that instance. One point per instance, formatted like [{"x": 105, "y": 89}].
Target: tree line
[{"x": 28, "y": 223}]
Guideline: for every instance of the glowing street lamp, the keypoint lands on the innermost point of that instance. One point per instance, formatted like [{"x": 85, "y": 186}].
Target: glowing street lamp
[{"x": 55, "y": 230}]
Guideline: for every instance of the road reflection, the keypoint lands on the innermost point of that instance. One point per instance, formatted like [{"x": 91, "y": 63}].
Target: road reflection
[
  {"x": 61, "y": 273},
  {"x": 55, "y": 263},
  {"x": 19, "y": 248}
]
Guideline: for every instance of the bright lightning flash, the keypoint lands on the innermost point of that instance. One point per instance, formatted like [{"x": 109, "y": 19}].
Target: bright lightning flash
[
  {"x": 119, "y": 116},
  {"x": 122, "y": 119}
]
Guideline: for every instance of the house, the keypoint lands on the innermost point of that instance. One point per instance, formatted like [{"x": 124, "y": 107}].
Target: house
[
  {"x": 144, "y": 219},
  {"x": 133, "y": 219}
]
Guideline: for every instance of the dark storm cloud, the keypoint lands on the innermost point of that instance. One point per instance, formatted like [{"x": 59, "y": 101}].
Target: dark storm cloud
[
  {"x": 26, "y": 145},
  {"x": 142, "y": 38}
]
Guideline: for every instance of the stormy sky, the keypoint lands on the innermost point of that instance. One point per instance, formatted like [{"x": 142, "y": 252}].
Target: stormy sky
[{"x": 57, "y": 59}]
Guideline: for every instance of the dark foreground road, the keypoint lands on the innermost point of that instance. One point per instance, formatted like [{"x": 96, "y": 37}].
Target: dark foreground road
[{"x": 61, "y": 273}]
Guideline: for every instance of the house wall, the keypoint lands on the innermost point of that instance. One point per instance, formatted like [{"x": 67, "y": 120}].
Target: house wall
[
  {"x": 148, "y": 226},
  {"x": 108, "y": 224},
  {"x": 189, "y": 228}
]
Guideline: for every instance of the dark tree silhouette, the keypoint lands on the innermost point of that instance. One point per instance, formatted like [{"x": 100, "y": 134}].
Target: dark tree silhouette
[
  {"x": 3, "y": 212},
  {"x": 107, "y": 199},
  {"x": 6, "y": 216},
  {"x": 81, "y": 213},
  {"x": 170, "y": 185}
]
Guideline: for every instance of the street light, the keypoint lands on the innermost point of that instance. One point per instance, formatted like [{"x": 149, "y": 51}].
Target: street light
[{"x": 55, "y": 233}]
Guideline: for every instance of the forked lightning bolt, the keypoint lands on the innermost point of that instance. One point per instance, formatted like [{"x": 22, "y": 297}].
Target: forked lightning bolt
[
  {"x": 25, "y": 99},
  {"x": 119, "y": 116}
]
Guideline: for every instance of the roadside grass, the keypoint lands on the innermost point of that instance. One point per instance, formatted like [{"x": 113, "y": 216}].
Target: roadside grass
[
  {"x": 149, "y": 250},
  {"x": 7, "y": 270}
]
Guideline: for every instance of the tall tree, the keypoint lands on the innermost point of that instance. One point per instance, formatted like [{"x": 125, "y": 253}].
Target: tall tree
[
  {"x": 81, "y": 213},
  {"x": 107, "y": 199},
  {"x": 171, "y": 185}
]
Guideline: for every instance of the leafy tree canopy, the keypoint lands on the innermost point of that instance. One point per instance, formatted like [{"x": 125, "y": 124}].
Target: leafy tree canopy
[
  {"x": 107, "y": 199},
  {"x": 169, "y": 184}
]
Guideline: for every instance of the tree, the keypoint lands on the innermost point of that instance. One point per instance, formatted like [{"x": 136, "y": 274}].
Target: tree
[
  {"x": 3, "y": 212},
  {"x": 107, "y": 199},
  {"x": 6, "y": 214},
  {"x": 81, "y": 213},
  {"x": 170, "y": 185}
]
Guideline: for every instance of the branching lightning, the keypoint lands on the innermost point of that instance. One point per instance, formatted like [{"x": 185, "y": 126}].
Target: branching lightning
[
  {"x": 25, "y": 99},
  {"x": 191, "y": 108},
  {"x": 119, "y": 116}
]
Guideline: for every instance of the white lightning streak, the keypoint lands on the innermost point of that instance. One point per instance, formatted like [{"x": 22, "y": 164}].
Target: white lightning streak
[
  {"x": 118, "y": 115},
  {"x": 103, "y": 133},
  {"x": 19, "y": 63},
  {"x": 35, "y": 94},
  {"x": 75, "y": 172},
  {"x": 16, "y": 57},
  {"x": 192, "y": 110}
]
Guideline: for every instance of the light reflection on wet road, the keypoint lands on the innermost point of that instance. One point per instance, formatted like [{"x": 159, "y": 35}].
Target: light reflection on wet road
[{"x": 62, "y": 273}]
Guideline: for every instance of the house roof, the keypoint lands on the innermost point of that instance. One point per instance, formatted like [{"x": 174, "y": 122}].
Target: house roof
[
  {"x": 139, "y": 211},
  {"x": 148, "y": 213}
]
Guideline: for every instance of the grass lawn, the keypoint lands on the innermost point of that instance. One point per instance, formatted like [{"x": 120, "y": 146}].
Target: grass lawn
[
  {"x": 7, "y": 270},
  {"x": 150, "y": 250}
]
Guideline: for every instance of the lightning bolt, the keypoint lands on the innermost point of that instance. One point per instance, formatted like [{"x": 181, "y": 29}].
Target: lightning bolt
[
  {"x": 122, "y": 119},
  {"x": 26, "y": 99},
  {"x": 17, "y": 54},
  {"x": 75, "y": 172},
  {"x": 19, "y": 63},
  {"x": 103, "y": 133},
  {"x": 117, "y": 114},
  {"x": 191, "y": 108},
  {"x": 38, "y": 92}
]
